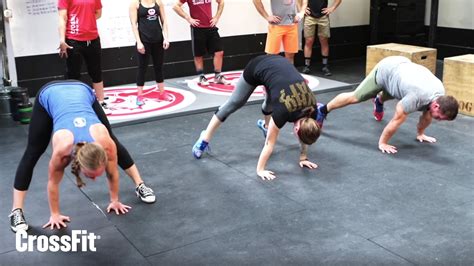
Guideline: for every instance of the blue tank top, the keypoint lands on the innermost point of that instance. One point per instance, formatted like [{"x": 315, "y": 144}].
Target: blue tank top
[{"x": 69, "y": 104}]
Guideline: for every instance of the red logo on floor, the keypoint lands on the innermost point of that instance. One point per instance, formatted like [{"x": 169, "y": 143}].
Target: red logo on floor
[
  {"x": 122, "y": 102},
  {"x": 233, "y": 77},
  {"x": 221, "y": 89}
]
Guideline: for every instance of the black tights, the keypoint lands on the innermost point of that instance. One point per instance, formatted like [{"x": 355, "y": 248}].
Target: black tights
[
  {"x": 39, "y": 136},
  {"x": 156, "y": 51}
]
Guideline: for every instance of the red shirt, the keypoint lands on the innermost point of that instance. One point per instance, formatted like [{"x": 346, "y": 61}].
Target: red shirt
[
  {"x": 81, "y": 22},
  {"x": 200, "y": 10}
]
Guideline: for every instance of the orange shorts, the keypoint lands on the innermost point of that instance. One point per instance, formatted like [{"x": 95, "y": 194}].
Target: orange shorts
[{"x": 288, "y": 34}]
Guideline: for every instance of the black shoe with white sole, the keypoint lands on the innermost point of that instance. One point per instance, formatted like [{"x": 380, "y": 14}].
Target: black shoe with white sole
[
  {"x": 145, "y": 193},
  {"x": 17, "y": 220}
]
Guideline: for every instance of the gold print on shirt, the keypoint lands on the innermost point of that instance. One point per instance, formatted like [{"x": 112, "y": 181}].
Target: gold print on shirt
[{"x": 299, "y": 98}]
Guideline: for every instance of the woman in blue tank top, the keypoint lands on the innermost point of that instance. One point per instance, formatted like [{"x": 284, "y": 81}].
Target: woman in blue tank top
[
  {"x": 81, "y": 135},
  {"x": 150, "y": 29}
]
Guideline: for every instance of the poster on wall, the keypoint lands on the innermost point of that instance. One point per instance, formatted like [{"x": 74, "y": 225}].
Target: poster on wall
[{"x": 34, "y": 24}]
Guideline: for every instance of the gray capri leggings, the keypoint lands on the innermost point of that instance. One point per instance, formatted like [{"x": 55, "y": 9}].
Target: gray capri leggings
[{"x": 239, "y": 98}]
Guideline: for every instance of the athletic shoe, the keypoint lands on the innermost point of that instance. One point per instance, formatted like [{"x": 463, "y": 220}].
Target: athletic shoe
[
  {"x": 200, "y": 146},
  {"x": 145, "y": 193},
  {"x": 165, "y": 97},
  {"x": 378, "y": 109},
  {"x": 320, "y": 116},
  {"x": 203, "y": 81},
  {"x": 140, "y": 101},
  {"x": 220, "y": 79},
  {"x": 17, "y": 220},
  {"x": 306, "y": 70},
  {"x": 261, "y": 125},
  {"x": 106, "y": 109},
  {"x": 326, "y": 71}
]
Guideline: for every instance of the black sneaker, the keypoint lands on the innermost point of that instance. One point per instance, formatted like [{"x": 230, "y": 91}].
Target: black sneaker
[
  {"x": 105, "y": 107},
  {"x": 306, "y": 70},
  {"x": 145, "y": 193},
  {"x": 17, "y": 220},
  {"x": 326, "y": 71}
]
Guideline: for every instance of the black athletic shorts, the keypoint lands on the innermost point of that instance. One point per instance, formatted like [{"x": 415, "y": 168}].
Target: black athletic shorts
[{"x": 205, "y": 40}]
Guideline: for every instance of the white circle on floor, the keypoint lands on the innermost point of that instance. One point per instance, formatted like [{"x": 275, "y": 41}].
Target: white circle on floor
[{"x": 122, "y": 102}]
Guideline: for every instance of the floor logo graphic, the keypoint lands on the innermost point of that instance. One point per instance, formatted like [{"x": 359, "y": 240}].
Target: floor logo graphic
[
  {"x": 79, "y": 240},
  {"x": 233, "y": 77},
  {"x": 122, "y": 102}
]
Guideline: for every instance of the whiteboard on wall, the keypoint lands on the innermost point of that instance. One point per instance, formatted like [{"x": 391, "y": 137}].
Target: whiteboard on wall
[{"x": 34, "y": 25}]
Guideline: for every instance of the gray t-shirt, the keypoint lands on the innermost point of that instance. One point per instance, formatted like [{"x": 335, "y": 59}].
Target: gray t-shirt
[
  {"x": 285, "y": 9},
  {"x": 414, "y": 85}
]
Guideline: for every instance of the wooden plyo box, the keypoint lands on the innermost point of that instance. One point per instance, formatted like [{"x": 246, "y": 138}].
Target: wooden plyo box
[
  {"x": 420, "y": 55},
  {"x": 458, "y": 79}
]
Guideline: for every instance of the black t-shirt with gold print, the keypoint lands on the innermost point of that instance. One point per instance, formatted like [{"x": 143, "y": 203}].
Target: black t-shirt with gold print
[{"x": 288, "y": 91}]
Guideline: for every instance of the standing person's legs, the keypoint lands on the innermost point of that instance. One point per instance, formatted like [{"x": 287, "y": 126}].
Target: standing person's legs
[
  {"x": 73, "y": 60},
  {"x": 214, "y": 45},
  {"x": 157, "y": 56},
  {"x": 93, "y": 57},
  {"x": 198, "y": 42},
  {"x": 290, "y": 41},
  {"x": 142, "y": 61},
  {"x": 309, "y": 31},
  {"x": 274, "y": 39},
  {"x": 324, "y": 34},
  {"x": 39, "y": 135}
]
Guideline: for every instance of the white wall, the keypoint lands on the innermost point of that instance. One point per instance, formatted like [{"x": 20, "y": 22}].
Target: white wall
[
  {"x": 351, "y": 13},
  {"x": 36, "y": 34},
  {"x": 453, "y": 14}
]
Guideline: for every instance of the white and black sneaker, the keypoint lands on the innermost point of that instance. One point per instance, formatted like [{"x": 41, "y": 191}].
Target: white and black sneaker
[
  {"x": 17, "y": 220},
  {"x": 203, "y": 81},
  {"x": 145, "y": 193}
]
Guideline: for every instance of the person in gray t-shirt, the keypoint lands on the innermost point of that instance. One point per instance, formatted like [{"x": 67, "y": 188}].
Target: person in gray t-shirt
[{"x": 416, "y": 88}]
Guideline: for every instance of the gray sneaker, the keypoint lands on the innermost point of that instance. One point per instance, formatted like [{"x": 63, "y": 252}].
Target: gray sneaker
[
  {"x": 306, "y": 70},
  {"x": 17, "y": 220},
  {"x": 203, "y": 81},
  {"x": 220, "y": 79},
  {"x": 145, "y": 193},
  {"x": 326, "y": 71}
]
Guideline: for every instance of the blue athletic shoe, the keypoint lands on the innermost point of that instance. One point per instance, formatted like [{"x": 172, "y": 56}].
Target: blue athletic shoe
[
  {"x": 261, "y": 125},
  {"x": 378, "y": 109},
  {"x": 200, "y": 147},
  {"x": 320, "y": 116}
]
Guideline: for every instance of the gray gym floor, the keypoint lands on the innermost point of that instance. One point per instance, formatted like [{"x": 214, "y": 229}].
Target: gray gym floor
[{"x": 360, "y": 207}]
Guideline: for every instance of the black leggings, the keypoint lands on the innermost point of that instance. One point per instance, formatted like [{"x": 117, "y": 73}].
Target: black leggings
[
  {"x": 39, "y": 136},
  {"x": 91, "y": 52},
  {"x": 156, "y": 51}
]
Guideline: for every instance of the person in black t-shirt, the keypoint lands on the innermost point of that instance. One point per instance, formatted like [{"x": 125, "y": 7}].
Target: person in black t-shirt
[
  {"x": 150, "y": 29},
  {"x": 288, "y": 99},
  {"x": 317, "y": 16}
]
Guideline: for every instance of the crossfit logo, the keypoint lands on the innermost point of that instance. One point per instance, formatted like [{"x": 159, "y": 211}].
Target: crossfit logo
[
  {"x": 79, "y": 240},
  {"x": 79, "y": 122},
  {"x": 122, "y": 102}
]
